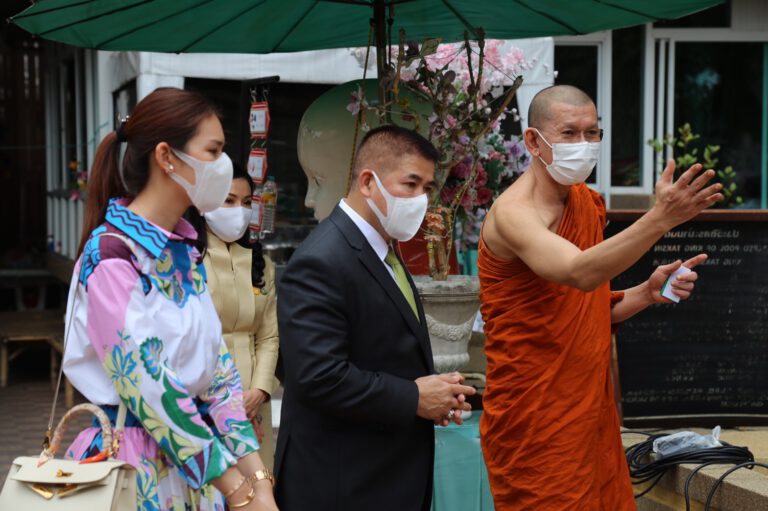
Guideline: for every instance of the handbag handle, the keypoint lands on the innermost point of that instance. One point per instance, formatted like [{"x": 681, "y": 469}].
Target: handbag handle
[
  {"x": 106, "y": 433},
  {"x": 110, "y": 436}
]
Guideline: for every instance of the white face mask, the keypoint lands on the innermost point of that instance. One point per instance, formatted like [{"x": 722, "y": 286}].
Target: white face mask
[
  {"x": 571, "y": 163},
  {"x": 404, "y": 214},
  {"x": 212, "y": 180},
  {"x": 229, "y": 224}
]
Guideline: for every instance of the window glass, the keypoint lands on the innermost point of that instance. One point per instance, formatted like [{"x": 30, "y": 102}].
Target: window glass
[
  {"x": 626, "y": 107},
  {"x": 718, "y": 90}
]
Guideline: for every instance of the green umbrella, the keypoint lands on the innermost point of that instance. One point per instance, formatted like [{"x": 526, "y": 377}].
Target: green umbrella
[{"x": 269, "y": 26}]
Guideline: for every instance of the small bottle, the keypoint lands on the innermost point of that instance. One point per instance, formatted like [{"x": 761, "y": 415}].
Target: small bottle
[{"x": 269, "y": 205}]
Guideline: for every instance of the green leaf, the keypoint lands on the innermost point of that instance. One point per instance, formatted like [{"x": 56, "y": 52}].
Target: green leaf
[
  {"x": 429, "y": 47},
  {"x": 448, "y": 78}
]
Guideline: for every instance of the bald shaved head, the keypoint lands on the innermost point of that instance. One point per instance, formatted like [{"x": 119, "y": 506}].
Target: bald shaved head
[{"x": 540, "y": 111}]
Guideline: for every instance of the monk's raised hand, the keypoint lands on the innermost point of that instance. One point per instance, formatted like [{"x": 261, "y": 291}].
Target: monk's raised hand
[
  {"x": 681, "y": 200},
  {"x": 682, "y": 285}
]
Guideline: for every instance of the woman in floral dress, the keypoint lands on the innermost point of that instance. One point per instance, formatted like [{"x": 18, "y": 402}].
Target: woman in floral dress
[{"x": 143, "y": 329}]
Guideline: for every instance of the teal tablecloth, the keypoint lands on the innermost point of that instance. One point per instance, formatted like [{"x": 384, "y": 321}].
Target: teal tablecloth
[{"x": 461, "y": 480}]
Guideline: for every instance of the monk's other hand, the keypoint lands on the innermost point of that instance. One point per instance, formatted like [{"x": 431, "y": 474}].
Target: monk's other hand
[
  {"x": 682, "y": 285},
  {"x": 681, "y": 200},
  {"x": 439, "y": 394}
]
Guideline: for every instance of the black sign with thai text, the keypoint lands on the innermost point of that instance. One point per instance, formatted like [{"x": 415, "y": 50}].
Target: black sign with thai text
[{"x": 707, "y": 356}]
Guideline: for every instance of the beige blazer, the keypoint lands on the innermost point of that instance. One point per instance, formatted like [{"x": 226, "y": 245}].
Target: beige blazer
[{"x": 248, "y": 319}]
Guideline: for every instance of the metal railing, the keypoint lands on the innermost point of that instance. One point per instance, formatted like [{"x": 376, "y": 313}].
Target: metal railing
[{"x": 65, "y": 222}]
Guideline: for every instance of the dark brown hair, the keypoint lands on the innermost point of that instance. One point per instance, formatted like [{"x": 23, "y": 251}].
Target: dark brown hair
[{"x": 166, "y": 115}]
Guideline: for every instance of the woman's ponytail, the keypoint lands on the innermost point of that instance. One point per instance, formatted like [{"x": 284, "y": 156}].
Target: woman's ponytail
[{"x": 103, "y": 183}]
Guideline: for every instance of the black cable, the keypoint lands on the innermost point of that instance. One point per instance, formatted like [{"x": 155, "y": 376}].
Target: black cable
[
  {"x": 750, "y": 464},
  {"x": 641, "y": 470},
  {"x": 650, "y": 487},
  {"x": 690, "y": 478}
]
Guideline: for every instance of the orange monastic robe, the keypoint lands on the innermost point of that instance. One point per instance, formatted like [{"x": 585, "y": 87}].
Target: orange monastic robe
[{"x": 549, "y": 429}]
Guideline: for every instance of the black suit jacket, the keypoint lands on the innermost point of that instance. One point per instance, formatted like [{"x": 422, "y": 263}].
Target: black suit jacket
[{"x": 350, "y": 350}]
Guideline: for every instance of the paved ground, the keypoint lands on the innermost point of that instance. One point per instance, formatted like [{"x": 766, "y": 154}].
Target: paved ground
[{"x": 25, "y": 405}]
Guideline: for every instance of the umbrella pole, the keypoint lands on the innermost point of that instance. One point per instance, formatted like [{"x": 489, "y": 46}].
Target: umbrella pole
[{"x": 382, "y": 47}]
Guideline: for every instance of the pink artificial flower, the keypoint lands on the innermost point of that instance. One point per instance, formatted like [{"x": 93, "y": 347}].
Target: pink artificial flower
[
  {"x": 447, "y": 194},
  {"x": 481, "y": 178},
  {"x": 462, "y": 169},
  {"x": 467, "y": 200},
  {"x": 356, "y": 101},
  {"x": 492, "y": 54},
  {"x": 484, "y": 196},
  {"x": 515, "y": 61}
]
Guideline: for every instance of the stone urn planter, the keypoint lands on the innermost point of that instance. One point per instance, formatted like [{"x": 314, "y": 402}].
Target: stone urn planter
[{"x": 450, "y": 307}]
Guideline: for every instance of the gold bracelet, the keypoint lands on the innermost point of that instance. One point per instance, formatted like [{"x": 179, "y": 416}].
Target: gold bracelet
[
  {"x": 237, "y": 487},
  {"x": 259, "y": 475},
  {"x": 248, "y": 499}
]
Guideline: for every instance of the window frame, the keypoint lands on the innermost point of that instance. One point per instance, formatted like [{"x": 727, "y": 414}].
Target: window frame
[
  {"x": 659, "y": 113},
  {"x": 603, "y": 41}
]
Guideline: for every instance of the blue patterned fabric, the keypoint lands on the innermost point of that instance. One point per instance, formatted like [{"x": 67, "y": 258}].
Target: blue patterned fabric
[
  {"x": 91, "y": 255},
  {"x": 137, "y": 228},
  {"x": 111, "y": 411},
  {"x": 177, "y": 276}
]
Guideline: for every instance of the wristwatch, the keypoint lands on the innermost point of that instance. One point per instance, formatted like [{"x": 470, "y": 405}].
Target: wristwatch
[{"x": 262, "y": 474}]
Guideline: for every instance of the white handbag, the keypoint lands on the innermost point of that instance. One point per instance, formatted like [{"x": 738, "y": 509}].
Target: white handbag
[
  {"x": 67, "y": 485},
  {"x": 99, "y": 483}
]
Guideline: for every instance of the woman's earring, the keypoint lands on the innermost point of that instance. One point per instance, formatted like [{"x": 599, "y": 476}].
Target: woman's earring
[{"x": 170, "y": 168}]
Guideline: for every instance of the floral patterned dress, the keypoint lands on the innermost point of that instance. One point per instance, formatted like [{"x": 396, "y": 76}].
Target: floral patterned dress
[{"x": 143, "y": 330}]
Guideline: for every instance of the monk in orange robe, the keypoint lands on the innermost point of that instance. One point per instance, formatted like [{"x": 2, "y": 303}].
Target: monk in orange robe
[{"x": 550, "y": 430}]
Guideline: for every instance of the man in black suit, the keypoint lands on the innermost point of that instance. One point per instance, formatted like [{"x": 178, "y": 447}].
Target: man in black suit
[{"x": 360, "y": 401}]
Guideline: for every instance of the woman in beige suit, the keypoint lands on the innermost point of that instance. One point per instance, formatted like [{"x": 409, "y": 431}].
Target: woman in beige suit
[{"x": 241, "y": 281}]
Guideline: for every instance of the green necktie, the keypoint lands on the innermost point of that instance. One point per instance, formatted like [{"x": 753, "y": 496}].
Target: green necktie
[{"x": 401, "y": 279}]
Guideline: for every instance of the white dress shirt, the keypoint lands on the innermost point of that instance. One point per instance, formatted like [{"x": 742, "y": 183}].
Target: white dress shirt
[{"x": 375, "y": 240}]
